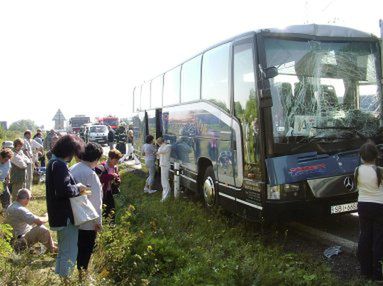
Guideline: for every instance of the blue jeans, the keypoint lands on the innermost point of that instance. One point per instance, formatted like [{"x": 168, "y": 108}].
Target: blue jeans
[
  {"x": 67, "y": 250},
  {"x": 151, "y": 165}
]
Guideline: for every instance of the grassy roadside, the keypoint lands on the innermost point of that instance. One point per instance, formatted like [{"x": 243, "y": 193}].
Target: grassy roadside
[
  {"x": 175, "y": 243},
  {"x": 180, "y": 243}
]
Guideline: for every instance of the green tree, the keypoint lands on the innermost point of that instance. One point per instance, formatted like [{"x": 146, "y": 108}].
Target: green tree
[{"x": 22, "y": 125}]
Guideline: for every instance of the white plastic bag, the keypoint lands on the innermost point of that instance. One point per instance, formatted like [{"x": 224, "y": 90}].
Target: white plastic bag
[{"x": 83, "y": 210}]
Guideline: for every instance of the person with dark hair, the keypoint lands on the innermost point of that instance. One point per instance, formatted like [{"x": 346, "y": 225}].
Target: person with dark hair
[
  {"x": 121, "y": 139},
  {"x": 368, "y": 179},
  {"x": 110, "y": 180},
  {"x": 6, "y": 155},
  {"x": 60, "y": 186},
  {"x": 149, "y": 151},
  {"x": 38, "y": 137},
  {"x": 83, "y": 172},
  {"x": 28, "y": 151},
  {"x": 111, "y": 135},
  {"x": 19, "y": 162}
]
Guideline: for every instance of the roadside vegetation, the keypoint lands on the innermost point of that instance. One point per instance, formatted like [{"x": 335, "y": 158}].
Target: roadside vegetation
[{"x": 173, "y": 243}]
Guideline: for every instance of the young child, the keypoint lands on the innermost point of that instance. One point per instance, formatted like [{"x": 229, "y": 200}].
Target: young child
[{"x": 368, "y": 178}]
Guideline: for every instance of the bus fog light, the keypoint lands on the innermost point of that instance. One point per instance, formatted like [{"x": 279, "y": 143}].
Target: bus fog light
[{"x": 274, "y": 193}]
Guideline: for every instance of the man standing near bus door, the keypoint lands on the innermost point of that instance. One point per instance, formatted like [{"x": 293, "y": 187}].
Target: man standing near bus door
[{"x": 164, "y": 154}]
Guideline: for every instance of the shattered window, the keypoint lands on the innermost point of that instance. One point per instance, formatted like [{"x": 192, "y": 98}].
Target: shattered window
[{"x": 324, "y": 89}]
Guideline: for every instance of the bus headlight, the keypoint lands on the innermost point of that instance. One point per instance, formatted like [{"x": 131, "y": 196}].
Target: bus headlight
[{"x": 286, "y": 191}]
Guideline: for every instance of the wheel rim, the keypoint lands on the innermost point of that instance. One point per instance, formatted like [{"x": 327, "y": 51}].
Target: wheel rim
[{"x": 209, "y": 191}]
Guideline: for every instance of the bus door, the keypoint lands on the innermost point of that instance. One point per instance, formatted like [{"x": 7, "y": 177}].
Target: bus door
[
  {"x": 246, "y": 130},
  {"x": 158, "y": 122}
]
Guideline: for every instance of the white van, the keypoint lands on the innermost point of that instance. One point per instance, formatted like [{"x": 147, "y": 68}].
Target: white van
[{"x": 98, "y": 134}]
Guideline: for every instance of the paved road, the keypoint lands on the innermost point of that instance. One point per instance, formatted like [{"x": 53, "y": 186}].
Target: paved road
[{"x": 340, "y": 230}]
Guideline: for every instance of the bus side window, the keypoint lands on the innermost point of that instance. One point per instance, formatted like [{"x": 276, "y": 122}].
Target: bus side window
[{"x": 246, "y": 108}]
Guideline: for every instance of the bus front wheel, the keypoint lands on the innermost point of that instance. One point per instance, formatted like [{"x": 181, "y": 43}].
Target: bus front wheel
[{"x": 209, "y": 188}]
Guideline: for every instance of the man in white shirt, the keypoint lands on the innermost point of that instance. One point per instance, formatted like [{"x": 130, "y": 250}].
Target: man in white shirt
[
  {"x": 21, "y": 220},
  {"x": 28, "y": 151},
  {"x": 164, "y": 154}
]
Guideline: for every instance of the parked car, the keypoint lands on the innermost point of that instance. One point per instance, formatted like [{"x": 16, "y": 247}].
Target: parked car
[{"x": 98, "y": 134}]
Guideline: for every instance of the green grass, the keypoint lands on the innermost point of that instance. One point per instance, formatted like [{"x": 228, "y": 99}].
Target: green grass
[
  {"x": 175, "y": 243},
  {"x": 181, "y": 243}
]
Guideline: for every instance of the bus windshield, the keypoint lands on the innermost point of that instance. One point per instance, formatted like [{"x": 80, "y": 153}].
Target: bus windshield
[{"x": 327, "y": 91}]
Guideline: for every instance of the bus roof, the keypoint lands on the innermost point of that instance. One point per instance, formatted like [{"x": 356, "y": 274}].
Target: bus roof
[
  {"x": 320, "y": 31},
  {"x": 306, "y": 30}
]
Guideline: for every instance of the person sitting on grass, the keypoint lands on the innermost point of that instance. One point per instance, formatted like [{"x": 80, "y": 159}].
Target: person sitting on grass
[{"x": 22, "y": 221}]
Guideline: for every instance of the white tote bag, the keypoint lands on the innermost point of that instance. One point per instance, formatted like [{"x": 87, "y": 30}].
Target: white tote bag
[{"x": 83, "y": 210}]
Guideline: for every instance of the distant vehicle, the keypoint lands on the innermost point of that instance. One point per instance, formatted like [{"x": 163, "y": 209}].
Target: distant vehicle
[
  {"x": 98, "y": 134},
  {"x": 111, "y": 121},
  {"x": 76, "y": 122}
]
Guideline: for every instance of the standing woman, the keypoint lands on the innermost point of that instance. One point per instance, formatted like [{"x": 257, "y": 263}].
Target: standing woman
[
  {"x": 60, "y": 186},
  {"x": 83, "y": 172},
  {"x": 368, "y": 178},
  {"x": 149, "y": 150},
  {"x": 110, "y": 179},
  {"x": 19, "y": 162}
]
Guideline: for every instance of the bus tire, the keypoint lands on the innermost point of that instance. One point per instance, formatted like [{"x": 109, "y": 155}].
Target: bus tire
[{"x": 209, "y": 188}]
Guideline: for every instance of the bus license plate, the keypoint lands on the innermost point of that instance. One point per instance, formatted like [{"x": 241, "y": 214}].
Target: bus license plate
[{"x": 344, "y": 208}]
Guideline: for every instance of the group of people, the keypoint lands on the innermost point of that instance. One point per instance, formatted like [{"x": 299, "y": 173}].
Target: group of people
[
  {"x": 150, "y": 151},
  {"x": 18, "y": 161},
  {"x": 121, "y": 137},
  {"x": 99, "y": 181},
  {"x": 76, "y": 243}
]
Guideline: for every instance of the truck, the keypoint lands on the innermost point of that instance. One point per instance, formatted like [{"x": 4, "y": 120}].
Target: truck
[
  {"x": 77, "y": 121},
  {"x": 110, "y": 120}
]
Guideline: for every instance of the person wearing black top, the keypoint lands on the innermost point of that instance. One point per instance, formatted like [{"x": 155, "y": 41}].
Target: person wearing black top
[
  {"x": 111, "y": 138},
  {"x": 60, "y": 186}
]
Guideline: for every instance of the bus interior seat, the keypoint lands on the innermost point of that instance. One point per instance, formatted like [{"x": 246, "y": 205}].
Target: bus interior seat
[
  {"x": 329, "y": 98},
  {"x": 286, "y": 95},
  {"x": 304, "y": 98}
]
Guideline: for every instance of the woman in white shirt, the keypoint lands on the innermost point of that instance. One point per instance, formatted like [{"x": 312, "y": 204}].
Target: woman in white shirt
[
  {"x": 149, "y": 150},
  {"x": 83, "y": 172},
  {"x": 20, "y": 163},
  {"x": 164, "y": 154},
  {"x": 368, "y": 179}
]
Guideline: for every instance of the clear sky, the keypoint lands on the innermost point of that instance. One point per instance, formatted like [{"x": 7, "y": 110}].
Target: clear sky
[{"x": 85, "y": 57}]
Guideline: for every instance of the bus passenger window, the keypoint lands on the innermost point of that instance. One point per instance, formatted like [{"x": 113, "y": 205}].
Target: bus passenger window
[
  {"x": 191, "y": 80},
  {"x": 246, "y": 108},
  {"x": 156, "y": 92},
  {"x": 137, "y": 99},
  {"x": 215, "y": 76},
  {"x": 172, "y": 87},
  {"x": 145, "y": 104}
]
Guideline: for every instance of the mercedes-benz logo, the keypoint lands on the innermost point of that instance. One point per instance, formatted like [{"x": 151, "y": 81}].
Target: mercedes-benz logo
[{"x": 348, "y": 183}]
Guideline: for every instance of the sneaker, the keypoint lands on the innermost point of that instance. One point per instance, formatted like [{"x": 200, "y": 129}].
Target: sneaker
[
  {"x": 146, "y": 190},
  {"x": 152, "y": 191}
]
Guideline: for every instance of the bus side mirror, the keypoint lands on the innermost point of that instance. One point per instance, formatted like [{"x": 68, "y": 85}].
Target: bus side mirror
[
  {"x": 269, "y": 72},
  {"x": 265, "y": 98}
]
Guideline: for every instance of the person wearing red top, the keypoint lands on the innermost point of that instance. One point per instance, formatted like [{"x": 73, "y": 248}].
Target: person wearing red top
[{"x": 110, "y": 179}]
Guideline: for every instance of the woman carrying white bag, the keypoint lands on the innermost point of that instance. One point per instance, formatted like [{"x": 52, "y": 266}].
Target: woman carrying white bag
[
  {"x": 60, "y": 187},
  {"x": 83, "y": 172}
]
